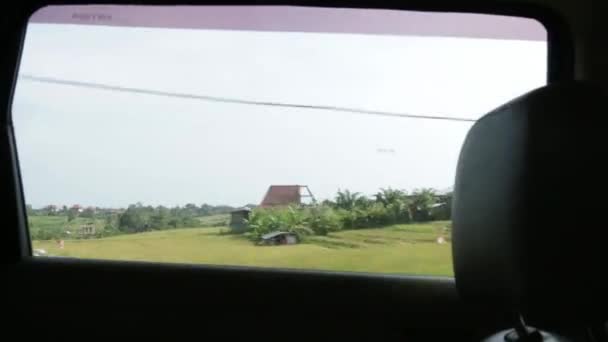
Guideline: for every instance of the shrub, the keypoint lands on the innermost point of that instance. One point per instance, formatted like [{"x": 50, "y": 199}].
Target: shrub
[
  {"x": 398, "y": 213},
  {"x": 108, "y": 230},
  {"x": 132, "y": 220},
  {"x": 173, "y": 223},
  {"x": 301, "y": 221},
  {"x": 302, "y": 232},
  {"x": 353, "y": 219},
  {"x": 441, "y": 213},
  {"x": 189, "y": 222},
  {"x": 262, "y": 221},
  {"x": 291, "y": 217},
  {"x": 422, "y": 215},
  {"x": 377, "y": 214},
  {"x": 47, "y": 233},
  {"x": 323, "y": 220}
]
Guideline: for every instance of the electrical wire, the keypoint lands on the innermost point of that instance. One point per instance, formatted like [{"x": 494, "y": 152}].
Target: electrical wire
[{"x": 114, "y": 88}]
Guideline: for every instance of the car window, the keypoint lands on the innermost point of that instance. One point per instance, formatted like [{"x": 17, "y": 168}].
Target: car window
[{"x": 290, "y": 137}]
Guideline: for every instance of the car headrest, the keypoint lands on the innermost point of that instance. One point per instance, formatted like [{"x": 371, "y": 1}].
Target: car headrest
[{"x": 529, "y": 232}]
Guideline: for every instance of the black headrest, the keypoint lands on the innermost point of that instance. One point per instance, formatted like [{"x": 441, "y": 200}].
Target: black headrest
[{"x": 529, "y": 211}]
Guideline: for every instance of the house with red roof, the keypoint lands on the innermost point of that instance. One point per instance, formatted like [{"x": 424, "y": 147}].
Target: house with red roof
[{"x": 284, "y": 195}]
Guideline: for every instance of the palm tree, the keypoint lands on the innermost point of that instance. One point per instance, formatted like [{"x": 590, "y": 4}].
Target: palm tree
[
  {"x": 347, "y": 200},
  {"x": 423, "y": 198},
  {"x": 396, "y": 202},
  {"x": 421, "y": 202},
  {"x": 391, "y": 196}
]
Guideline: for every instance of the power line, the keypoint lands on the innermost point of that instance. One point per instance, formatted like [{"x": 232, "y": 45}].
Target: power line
[{"x": 234, "y": 100}]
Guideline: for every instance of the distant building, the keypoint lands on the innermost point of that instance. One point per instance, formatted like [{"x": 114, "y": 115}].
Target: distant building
[
  {"x": 238, "y": 219},
  {"x": 284, "y": 195},
  {"x": 87, "y": 229}
]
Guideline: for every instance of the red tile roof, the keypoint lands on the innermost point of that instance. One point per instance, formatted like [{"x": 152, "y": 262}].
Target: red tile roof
[{"x": 278, "y": 195}]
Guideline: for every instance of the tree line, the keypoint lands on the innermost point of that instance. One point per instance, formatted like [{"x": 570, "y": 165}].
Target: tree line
[
  {"x": 91, "y": 212},
  {"x": 139, "y": 218},
  {"x": 347, "y": 210},
  {"x": 352, "y": 210},
  {"x": 64, "y": 222}
]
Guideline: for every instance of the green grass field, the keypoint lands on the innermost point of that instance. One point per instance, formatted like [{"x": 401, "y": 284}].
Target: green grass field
[
  {"x": 49, "y": 222},
  {"x": 60, "y": 223},
  {"x": 403, "y": 249},
  {"x": 57, "y": 225}
]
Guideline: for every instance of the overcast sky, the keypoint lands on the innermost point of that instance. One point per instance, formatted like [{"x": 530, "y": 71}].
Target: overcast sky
[{"x": 110, "y": 149}]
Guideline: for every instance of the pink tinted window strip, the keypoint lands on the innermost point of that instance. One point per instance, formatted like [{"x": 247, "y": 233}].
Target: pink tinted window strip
[{"x": 298, "y": 19}]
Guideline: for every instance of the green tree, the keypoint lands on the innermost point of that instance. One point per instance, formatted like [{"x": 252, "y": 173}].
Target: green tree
[
  {"x": 191, "y": 209},
  {"x": 72, "y": 214},
  {"x": 189, "y": 221},
  {"x": 132, "y": 220},
  {"x": 397, "y": 204},
  {"x": 323, "y": 220},
  {"x": 174, "y": 223},
  {"x": 377, "y": 215},
  {"x": 110, "y": 220},
  {"x": 388, "y": 196},
  {"x": 88, "y": 213},
  {"x": 205, "y": 210},
  {"x": 160, "y": 218},
  {"x": 348, "y": 200},
  {"x": 421, "y": 202}
]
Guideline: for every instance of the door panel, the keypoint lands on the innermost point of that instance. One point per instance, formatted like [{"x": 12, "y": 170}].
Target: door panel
[{"x": 152, "y": 299}]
